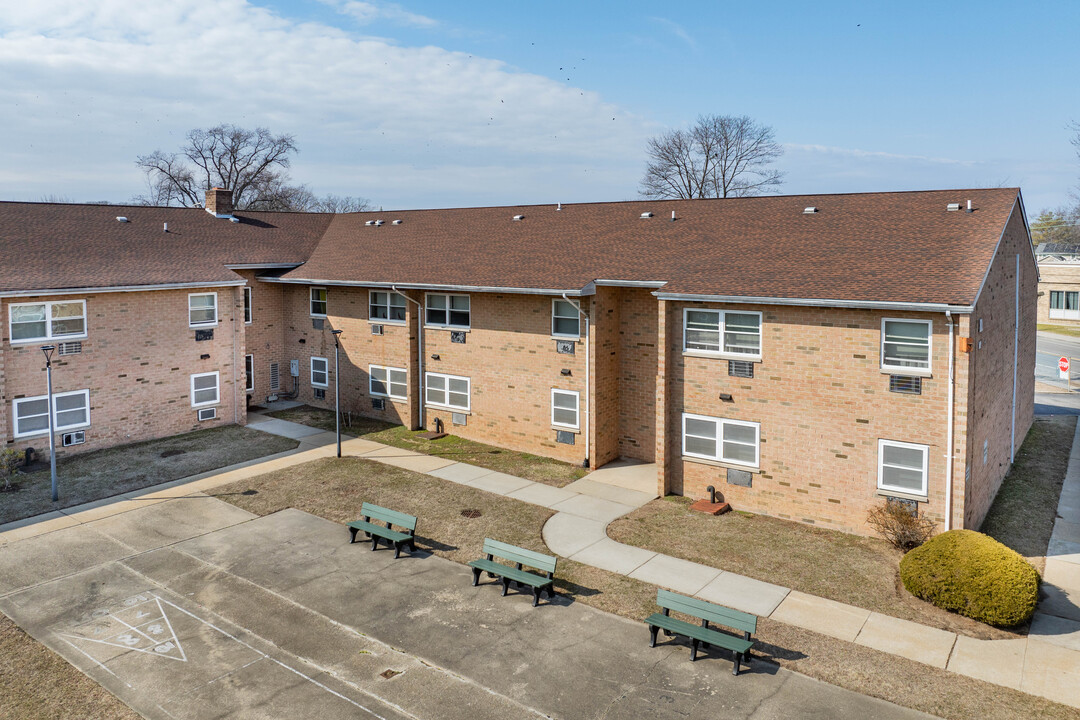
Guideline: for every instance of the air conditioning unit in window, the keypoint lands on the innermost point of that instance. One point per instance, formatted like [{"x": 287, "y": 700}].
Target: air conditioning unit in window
[
  {"x": 207, "y": 414},
  {"x": 376, "y": 329},
  {"x": 458, "y": 418},
  {"x": 378, "y": 404},
  {"x": 74, "y": 438}
]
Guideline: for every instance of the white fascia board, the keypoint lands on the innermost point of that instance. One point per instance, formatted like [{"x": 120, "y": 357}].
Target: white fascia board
[
  {"x": 631, "y": 283},
  {"x": 263, "y": 266},
  {"x": 819, "y": 302},
  {"x": 120, "y": 288}
]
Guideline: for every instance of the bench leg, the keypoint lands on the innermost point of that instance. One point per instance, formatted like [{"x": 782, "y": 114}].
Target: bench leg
[
  {"x": 374, "y": 542},
  {"x": 735, "y": 670},
  {"x": 397, "y": 550},
  {"x": 693, "y": 649},
  {"x": 475, "y": 577},
  {"x": 653, "y": 630},
  {"x": 505, "y": 586},
  {"x": 352, "y": 535},
  {"x": 412, "y": 545},
  {"x": 536, "y": 596}
]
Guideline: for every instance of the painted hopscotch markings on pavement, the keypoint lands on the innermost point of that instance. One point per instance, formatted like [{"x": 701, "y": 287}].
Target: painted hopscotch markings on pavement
[{"x": 139, "y": 623}]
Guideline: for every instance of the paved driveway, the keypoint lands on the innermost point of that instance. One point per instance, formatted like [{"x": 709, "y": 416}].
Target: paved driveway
[{"x": 193, "y": 608}]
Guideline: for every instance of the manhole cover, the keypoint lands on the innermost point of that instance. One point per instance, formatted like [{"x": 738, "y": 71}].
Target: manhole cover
[
  {"x": 172, "y": 453},
  {"x": 471, "y": 513},
  {"x": 389, "y": 673}
]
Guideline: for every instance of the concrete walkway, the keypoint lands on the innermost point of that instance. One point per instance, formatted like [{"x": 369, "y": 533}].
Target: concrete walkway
[{"x": 1046, "y": 663}]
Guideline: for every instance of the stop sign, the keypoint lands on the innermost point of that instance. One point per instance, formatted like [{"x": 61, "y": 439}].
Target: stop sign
[{"x": 1063, "y": 366}]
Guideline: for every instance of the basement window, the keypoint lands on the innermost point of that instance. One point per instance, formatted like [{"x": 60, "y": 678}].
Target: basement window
[
  {"x": 902, "y": 467},
  {"x": 33, "y": 322}
]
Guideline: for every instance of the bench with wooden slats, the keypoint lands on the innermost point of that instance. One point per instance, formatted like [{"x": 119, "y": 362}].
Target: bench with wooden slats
[
  {"x": 702, "y": 634},
  {"x": 521, "y": 558},
  {"x": 395, "y": 538}
]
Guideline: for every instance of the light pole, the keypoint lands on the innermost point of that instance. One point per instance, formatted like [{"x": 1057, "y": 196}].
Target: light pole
[
  {"x": 48, "y": 350},
  {"x": 337, "y": 390}
]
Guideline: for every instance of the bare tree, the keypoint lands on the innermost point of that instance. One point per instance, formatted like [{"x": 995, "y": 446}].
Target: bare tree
[
  {"x": 252, "y": 163},
  {"x": 719, "y": 156}
]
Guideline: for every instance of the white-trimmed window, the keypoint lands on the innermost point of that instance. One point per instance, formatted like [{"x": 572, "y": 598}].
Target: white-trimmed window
[
  {"x": 905, "y": 345},
  {"x": 204, "y": 389},
  {"x": 386, "y": 306},
  {"x": 388, "y": 382},
  {"x": 728, "y": 333},
  {"x": 320, "y": 372},
  {"x": 565, "y": 409},
  {"x": 32, "y": 322},
  {"x": 449, "y": 391},
  {"x": 247, "y": 306},
  {"x": 451, "y": 311},
  {"x": 249, "y": 373},
  {"x": 1064, "y": 305},
  {"x": 71, "y": 411},
  {"x": 902, "y": 467},
  {"x": 202, "y": 309},
  {"x": 729, "y": 441},
  {"x": 565, "y": 320},
  {"x": 318, "y": 302}
]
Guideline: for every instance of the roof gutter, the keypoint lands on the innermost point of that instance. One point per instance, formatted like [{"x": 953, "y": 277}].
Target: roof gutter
[
  {"x": 429, "y": 286},
  {"x": 820, "y": 302},
  {"x": 120, "y": 288}
]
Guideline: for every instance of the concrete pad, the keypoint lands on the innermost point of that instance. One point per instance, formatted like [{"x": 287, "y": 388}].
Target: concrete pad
[
  {"x": 1062, "y": 573},
  {"x": 1066, "y": 531},
  {"x": 927, "y": 645},
  {"x": 168, "y": 522},
  {"x": 995, "y": 661},
  {"x": 615, "y": 557},
  {"x": 629, "y": 474},
  {"x": 46, "y": 557},
  {"x": 593, "y": 508},
  {"x": 499, "y": 483},
  {"x": 634, "y": 498},
  {"x": 460, "y": 472},
  {"x": 256, "y": 418},
  {"x": 359, "y": 446},
  {"x": 388, "y": 451},
  {"x": 1061, "y": 602},
  {"x": 827, "y": 617},
  {"x": 744, "y": 593},
  {"x": 675, "y": 574},
  {"x": 418, "y": 463},
  {"x": 540, "y": 494},
  {"x": 292, "y": 430},
  {"x": 37, "y": 525},
  {"x": 1052, "y": 672},
  {"x": 1063, "y": 550},
  {"x": 1055, "y": 630},
  {"x": 323, "y": 438},
  {"x": 567, "y": 534}
]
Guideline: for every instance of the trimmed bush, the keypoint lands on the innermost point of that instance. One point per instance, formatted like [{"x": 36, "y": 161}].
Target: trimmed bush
[{"x": 974, "y": 575}]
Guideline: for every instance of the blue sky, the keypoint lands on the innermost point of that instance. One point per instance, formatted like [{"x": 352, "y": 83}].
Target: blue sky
[{"x": 429, "y": 104}]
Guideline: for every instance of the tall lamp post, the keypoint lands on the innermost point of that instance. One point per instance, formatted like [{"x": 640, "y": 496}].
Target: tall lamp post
[
  {"x": 48, "y": 350},
  {"x": 337, "y": 390}
]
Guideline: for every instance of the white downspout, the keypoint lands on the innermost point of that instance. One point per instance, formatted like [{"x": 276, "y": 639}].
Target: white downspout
[
  {"x": 949, "y": 430},
  {"x": 420, "y": 350},
  {"x": 1016, "y": 346},
  {"x": 588, "y": 384}
]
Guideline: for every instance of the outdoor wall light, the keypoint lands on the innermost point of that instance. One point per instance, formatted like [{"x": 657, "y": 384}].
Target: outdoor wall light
[
  {"x": 564, "y": 371},
  {"x": 434, "y": 357},
  {"x": 204, "y": 356},
  {"x": 303, "y": 341},
  {"x": 726, "y": 397}
]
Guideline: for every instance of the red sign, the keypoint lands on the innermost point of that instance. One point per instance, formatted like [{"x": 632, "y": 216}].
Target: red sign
[{"x": 1063, "y": 364}]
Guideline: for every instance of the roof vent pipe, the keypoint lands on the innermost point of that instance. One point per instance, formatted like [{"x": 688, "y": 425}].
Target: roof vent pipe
[
  {"x": 234, "y": 219},
  {"x": 672, "y": 216},
  {"x": 952, "y": 207},
  {"x": 969, "y": 208},
  {"x": 519, "y": 218},
  {"x": 379, "y": 223},
  {"x": 559, "y": 206},
  {"x": 165, "y": 227},
  {"x": 369, "y": 223},
  {"x": 396, "y": 222},
  {"x": 121, "y": 218},
  {"x": 809, "y": 210},
  {"x": 645, "y": 215}
]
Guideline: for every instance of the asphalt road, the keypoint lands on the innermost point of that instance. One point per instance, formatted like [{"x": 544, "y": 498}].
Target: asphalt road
[{"x": 1049, "y": 348}]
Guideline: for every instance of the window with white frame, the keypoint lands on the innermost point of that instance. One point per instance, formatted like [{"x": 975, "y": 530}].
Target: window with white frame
[
  {"x": 902, "y": 467},
  {"x": 318, "y": 302},
  {"x": 449, "y": 391},
  {"x": 32, "y": 322},
  {"x": 448, "y": 311},
  {"x": 71, "y": 411},
  {"x": 729, "y": 441},
  {"x": 247, "y": 305},
  {"x": 565, "y": 320},
  {"x": 202, "y": 309},
  {"x": 386, "y": 306},
  {"x": 565, "y": 409},
  {"x": 249, "y": 373},
  {"x": 320, "y": 372},
  {"x": 387, "y": 382},
  {"x": 204, "y": 389},
  {"x": 1065, "y": 304},
  {"x": 905, "y": 345},
  {"x": 723, "y": 332}
]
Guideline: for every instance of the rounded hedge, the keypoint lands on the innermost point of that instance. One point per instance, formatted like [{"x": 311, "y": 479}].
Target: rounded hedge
[{"x": 974, "y": 575}]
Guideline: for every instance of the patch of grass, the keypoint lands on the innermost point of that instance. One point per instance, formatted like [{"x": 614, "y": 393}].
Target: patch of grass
[
  {"x": 1022, "y": 516},
  {"x": 531, "y": 467},
  {"x": 113, "y": 471},
  {"x": 860, "y": 571},
  {"x": 1060, "y": 329},
  {"x": 38, "y": 684},
  {"x": 334, "y": 489}
]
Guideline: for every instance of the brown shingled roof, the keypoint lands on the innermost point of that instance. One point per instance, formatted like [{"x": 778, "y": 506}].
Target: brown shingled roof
[
  {"x": 902, "y": 247},
  {"x": 55, "y": 246}
]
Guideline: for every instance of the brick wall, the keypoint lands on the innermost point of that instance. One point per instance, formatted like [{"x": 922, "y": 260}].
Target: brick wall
[
  {"x": 136, "y": 362},
  {"x": 1056, "y": 276},
  {"x": 637, "y": 373},
  {"x": 605, "y": 346}
]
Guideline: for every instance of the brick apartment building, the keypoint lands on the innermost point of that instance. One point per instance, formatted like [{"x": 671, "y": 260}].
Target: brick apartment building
[
  {"x": 805, "y": 355},
  {"x": 1059, "y": 283}
]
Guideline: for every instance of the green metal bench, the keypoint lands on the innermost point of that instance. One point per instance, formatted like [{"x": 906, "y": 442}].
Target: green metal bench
[
  {"x": 702, "y": 634},
  {"x": 394, "y": 538},
  {"x": 521, "y": 558}
]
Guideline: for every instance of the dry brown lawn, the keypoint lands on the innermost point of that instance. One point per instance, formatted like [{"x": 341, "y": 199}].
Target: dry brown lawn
[
  {"x": 104, "y": 473},
  {"x": 334, "y": 489}
]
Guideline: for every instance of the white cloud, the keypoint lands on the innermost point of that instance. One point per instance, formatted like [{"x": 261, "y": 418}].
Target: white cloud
[
  {"x": 89, "y": 86},
  {"x": 366, "y": 13}
]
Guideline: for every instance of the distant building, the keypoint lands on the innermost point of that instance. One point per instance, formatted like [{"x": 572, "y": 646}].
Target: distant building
[{"x": 808, "y": 356}]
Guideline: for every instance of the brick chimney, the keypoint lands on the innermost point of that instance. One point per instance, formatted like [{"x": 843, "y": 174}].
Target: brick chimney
[{"x": 219, "y": 201}]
